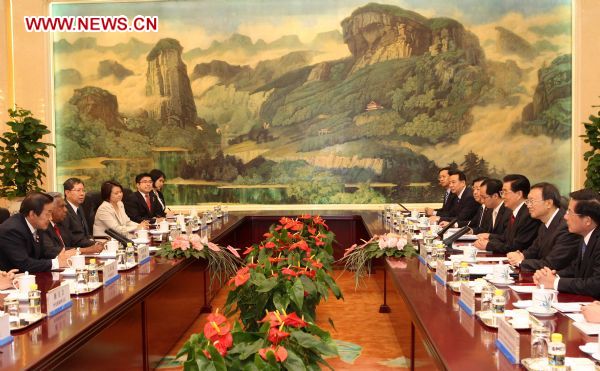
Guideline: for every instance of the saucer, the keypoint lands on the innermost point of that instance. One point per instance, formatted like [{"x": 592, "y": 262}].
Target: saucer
[
  {"x": 68, "y": 272},
  {"x": 596, "y": 356},
  {"x": 19, "y": 295},
  {"x": 107, "y": 254},
  {"x": 139, "y": 241},
  {"x": 521, "y": 326},
  {"x": 157, "y": 231},
  {"x": 541, "y": 312},
  {"x": 523, "y": 304},
  {"x": 589, "y": 348},
  {"x": 500, "y": 283}
]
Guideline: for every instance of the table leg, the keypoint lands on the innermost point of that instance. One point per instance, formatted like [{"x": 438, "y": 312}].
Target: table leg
[
  {"x": 412, "y": 346},
  {"x": 384, "y": 308}
]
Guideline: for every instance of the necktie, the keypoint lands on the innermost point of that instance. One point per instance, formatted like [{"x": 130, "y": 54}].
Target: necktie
[
  {"x": 512, "y": 219},
  {"x": 481, "y": 216},
  {"x": 446, "y": 196},
  {"x": 36, "y": 237},
  {"x": 147, "y": 196},
  {"x": 583, "y": 247},
  {"x": 59, "y": 235}
]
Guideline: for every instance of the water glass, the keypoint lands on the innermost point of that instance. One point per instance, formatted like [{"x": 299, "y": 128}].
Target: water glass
[{"x": 540, "y": 338}]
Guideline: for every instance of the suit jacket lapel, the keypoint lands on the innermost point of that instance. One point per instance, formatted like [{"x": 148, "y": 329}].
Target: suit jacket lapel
[{"x": 586, "y": 262}]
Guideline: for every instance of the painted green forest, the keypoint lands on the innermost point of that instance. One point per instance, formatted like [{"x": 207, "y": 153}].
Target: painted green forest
[{"x": 268, "y": 111}]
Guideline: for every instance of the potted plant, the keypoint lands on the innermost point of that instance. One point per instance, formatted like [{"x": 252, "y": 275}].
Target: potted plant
[
  {"x": 592, "y": 137},
  {"x": 22, "y": 155}
]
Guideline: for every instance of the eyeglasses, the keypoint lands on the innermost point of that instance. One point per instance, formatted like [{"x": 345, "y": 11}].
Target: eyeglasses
[
  {"x": 146, "y": 181},
  {"x": 529, "y": 202},
  {"x": 570, "y": 212},
  {"x": 503, "y": 192}
]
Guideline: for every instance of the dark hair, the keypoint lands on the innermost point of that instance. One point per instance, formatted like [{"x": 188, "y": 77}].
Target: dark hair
[
  {"x": 139, "y": 177},
  {"x": 461, "y": 175},
  {"x": 106, "y": 189},
  {"x": 478, "y": 179},
  {"x": 588, "y": 203},
  {"x": 492, "y": 186},
  {"x": 156, "y": 174},
  {"x": 518, "y": 183},
  {"x": 55, "y": 195},
  {"x": 35, "y": 201},
  {"x": 447, "y": 168},
  {"x": 549, "y": 192},
  {"x": 70, "y": 183}
]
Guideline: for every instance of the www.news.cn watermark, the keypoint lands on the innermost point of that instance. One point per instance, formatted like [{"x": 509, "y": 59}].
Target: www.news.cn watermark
[{"x": 120, "y": 23}]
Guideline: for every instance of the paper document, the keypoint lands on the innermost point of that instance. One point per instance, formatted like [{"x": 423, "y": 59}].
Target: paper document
[
  {"x": 492, "y": 259},
  {"x": 523, "y": 289},
  {"x": 570, "y": 307},
  {"x": 481, "y": 269}
]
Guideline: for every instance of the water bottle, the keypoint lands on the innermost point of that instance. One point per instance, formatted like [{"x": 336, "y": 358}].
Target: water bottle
[
  {"x": 93, "y": 272},
  {"x": 556, "y": 352},
  {"x": 498, "y": 302},
  {"x": 130, "y": 254},
  {"x": 35, "y": 300},
  {"x": 463, "y": 272}
]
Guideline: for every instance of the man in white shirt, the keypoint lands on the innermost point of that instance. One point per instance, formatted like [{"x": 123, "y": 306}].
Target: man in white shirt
[{"x": 582, "y": 276}]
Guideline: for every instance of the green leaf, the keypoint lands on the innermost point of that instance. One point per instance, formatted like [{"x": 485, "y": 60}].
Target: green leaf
[
  {"x": 246, "y": 350},
  {"x": 281, "y": 301},
  {"x": 217, "y": 359},
  {"x": 309, "y": 341},
  {"x": 267, "y": 285},
  {"x": 293, "y": 361},
  {"x": 298, "y": 293}
]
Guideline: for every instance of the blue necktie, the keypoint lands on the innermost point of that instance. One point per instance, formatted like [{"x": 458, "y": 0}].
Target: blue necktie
[{"x": 583, "y": 247}]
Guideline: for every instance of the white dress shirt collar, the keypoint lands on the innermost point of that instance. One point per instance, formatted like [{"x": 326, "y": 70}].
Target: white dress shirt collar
[
  {"x": 551, "y": 218},
  {"x": 516, "y": 210},
  {"x": 587, "y": 237}
]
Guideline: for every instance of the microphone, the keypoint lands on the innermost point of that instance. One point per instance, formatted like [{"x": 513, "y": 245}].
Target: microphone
[
  {"x": 118, "y": 236},
  {"x": 404, "y": 207},
  {"x": 448, "y": 226},
  {"x": 450, "y": 240}
]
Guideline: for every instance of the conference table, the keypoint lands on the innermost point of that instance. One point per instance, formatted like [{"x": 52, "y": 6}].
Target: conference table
[{"x": 135, "y": 321}]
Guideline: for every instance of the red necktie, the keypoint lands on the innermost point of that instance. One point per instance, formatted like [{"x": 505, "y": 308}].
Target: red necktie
[
  {"x": 148, "y": 202},
  {"x": 59, "y": 235},
  {"x": 512, "y": 219}
]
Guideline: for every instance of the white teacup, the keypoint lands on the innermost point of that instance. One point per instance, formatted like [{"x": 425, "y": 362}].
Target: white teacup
[
  {"x": 112, "y": 246},
  {"x": 23, "y": 282},
  {"x": 76, "y": 261},
  {"x": 470, "y": 253},
  {"x": 163, "y": 226},
  {"x": 142, "y": 234},
  {"x": 544, "y": 298},
  {"x": 520, "y": 318},
  {"x": 500, "y": 272}
]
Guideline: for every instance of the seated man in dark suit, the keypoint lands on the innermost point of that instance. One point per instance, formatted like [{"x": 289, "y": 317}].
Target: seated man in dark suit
[
  {"x": 4, "y": 214},
  {"x": 143, "y": 204},
  {"x": 76, "y": 221},
  {"x": 582, "y": 276},
  {"x": 449, "y": 197},
  {"x": 483, "y": 214},
  {"x": 495, "y": 217},
  {"x": 465, "y": 206},
  {"x": 555, "y": 246},
  {"x": 57, "y": 237},
  {"x": 20, "y": 244},
  {"x": 522, "y": 229}
]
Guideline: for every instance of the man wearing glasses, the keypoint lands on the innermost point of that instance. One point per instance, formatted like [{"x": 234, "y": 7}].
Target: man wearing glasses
[
  {"x": 582, "y": 276},
  {"x": 489, "y": 194},
  {"x": 521, "y": 230},
  {"x": 554, "y": 246},
  {"x": 143, "y": 205}
]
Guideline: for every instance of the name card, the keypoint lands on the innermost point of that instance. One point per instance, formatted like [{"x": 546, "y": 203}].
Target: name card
[
  {"x": 508, "y": 341},
  {"x": 467, "y": 298},
  {"x": 58, "y": 299},
  {"x": 422, "y": 253},
  {"x": 143, "y": 254},
  {"x": 441, "y": 272},
  {"x": 109, "y": 272},
  {"x": 5, "y": 337}
]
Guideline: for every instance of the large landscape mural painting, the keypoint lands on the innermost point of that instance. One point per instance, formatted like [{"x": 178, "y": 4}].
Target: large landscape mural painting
[{"x": 316, "y": 101}]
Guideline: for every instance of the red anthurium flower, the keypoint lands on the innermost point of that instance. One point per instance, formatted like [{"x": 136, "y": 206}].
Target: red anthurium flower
[
  {"x": 305, "y": 216},
  {"x": 273, "y": 318},
  {"x": 268, "y": 235},
  {"x": 276, "y": 335},
  {"x": 279, "y": 352},
  {"x": 270, "y": 245},
  {"x": 302, "y": 245},
  {"x": 279, "y": 227},
  {"x": 277, "y": 259},
  {"x": 318, "y": 220},
  {"x": 289, "y": 272},
  {"x": 312, "y": 230},
  {"x": 213, "y": 330},
  {"x": 293, "y": 320},
  {"x": 241, "y": 277},
  {"x": 223, "y": 343},
  {"x": 248, "y": 250}
]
